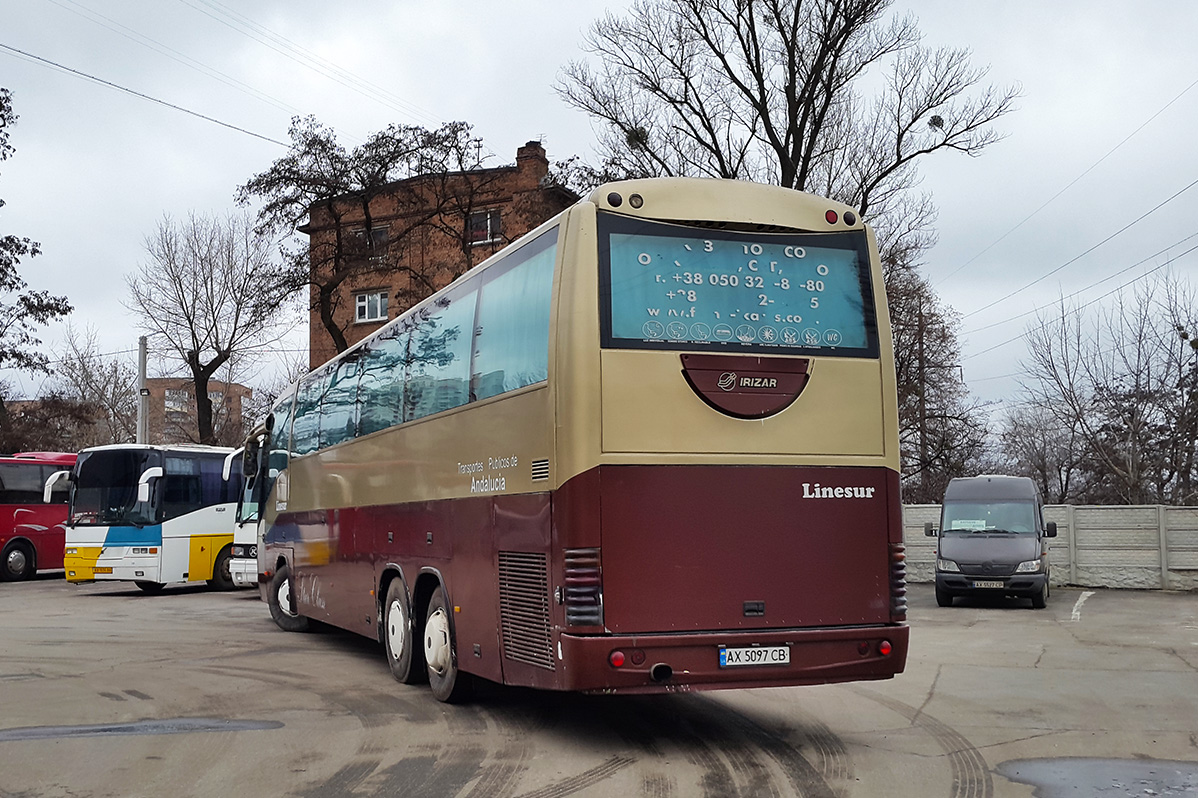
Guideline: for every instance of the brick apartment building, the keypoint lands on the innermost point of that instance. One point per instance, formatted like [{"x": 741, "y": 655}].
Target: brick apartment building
[
  {"x": 173, "y": 410},
  {"x": 417, "y": 235}
]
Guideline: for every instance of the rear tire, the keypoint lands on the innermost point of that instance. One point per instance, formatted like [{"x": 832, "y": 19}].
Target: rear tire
[
  {"x": 281, "y": 599},
  {"x": 222, "y": 578},
  {"x": 943, "y": 597},
  {"x": 150, "y": 587},
  {"x": 18, "y": 563},
  {"x": 440, "y": 654},
  {"x": 401, "y": 637}
]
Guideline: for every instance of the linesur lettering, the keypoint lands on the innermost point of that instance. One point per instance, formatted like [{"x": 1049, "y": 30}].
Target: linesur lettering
[{"x": 817, "y": 491}]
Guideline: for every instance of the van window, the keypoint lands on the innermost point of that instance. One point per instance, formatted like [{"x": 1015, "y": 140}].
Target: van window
[{"x": 1018, "y": 517}]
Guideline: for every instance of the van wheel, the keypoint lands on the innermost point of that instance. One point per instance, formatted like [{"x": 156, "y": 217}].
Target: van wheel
[
  {"x": 1040, "y": 600},
  {"x": 448, "y": 683},
  {"x": 282, "y": 603},
  {"x": 17, "y": 564},
  {"x": 222, "y": 578},
  {"x": 943, "y": 597},
  {"x": 401, "y": 637}
]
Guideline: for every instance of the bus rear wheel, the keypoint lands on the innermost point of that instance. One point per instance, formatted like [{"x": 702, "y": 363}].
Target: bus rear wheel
[
  {"x": 400, "y": 636},
  {"x": 448, "y": 683},
  {"x": 282, "y": 604},
  {"x": 17, "y": 564},
  {"x": 222, "y": 577}
]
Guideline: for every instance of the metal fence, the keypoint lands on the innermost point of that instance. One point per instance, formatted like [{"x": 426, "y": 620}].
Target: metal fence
[{"x": 1142, "y": 546}]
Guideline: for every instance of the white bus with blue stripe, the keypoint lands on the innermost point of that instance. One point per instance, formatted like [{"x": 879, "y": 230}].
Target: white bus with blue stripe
[{"x": 152, "y": 515}]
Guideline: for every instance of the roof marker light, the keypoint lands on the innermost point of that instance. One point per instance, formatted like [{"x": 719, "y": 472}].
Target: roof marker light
[{"x": 830, "y": 216}]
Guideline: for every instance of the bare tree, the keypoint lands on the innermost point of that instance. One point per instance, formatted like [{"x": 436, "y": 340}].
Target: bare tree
[
  {"x": 942, "y": 432},
  {"x": 366, "y": 210},
  {"x": 1038, "y": 445},
  {"x": 768, "y": 90},
  {"x": 106, "y": 383},
  {"x": 208, "y": 297},
  {"x": 1125, "y": 379}
]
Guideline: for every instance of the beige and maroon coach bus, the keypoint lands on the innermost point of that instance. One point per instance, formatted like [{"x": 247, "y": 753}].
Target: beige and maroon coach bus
[{"x": 651, "y": 446}]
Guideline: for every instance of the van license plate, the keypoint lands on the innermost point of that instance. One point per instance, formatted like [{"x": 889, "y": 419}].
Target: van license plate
[
  {"x": 988, "y": 583},
  {"x": 756, "y": 655}
]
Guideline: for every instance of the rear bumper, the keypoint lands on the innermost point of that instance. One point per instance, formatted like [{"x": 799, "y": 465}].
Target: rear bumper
[
  {"x": 817, "y": 656},
  {"x": 1015, "y": 585}
]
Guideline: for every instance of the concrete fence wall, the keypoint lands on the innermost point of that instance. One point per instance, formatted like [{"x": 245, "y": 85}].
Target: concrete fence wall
[{"x": 1143, "y": 547}]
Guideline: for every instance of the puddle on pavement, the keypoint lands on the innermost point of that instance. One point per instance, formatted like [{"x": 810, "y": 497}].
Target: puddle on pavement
[
  {"x": 170, "y": 726},
  {"x": 1073, "y": 777}
]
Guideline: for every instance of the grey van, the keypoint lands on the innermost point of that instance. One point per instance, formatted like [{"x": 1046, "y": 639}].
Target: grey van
[{"x": 992, "y": 539}]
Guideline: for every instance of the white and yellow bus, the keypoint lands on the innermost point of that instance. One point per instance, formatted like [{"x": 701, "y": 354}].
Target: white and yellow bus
[
  {"x": 152, "y": 515},
  {"x": 650, "y": 446}
]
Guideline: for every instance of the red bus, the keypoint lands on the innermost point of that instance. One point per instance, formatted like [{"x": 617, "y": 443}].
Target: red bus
[
  {"x": 32, "y": 532},
  {"x": 651, "y": 446}
]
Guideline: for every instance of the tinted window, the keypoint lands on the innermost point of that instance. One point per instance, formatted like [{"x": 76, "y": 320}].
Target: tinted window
[
  {"x": 338, "y": 405},
  {"x": 305, "y": 431},
  {"x": 438, "y": 376},
  {"x": 21, "y": 483},
  {"x": 380, "y": 387},
  {"x": 511, "y": 348}
]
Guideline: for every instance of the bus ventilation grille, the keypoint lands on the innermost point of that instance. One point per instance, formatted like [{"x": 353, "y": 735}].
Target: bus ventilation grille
[
  {"x": 524, "y": 608},
  {"x": 898, "y": 582},
  {"x": 540, "y": 470},
  {"x": 584, "y": 587}
]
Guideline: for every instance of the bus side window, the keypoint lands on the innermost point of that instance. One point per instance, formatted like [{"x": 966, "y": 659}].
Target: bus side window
[
  {"x": 305, "y": 432},
  {"x": 380, "y": 388},
  {"x": 18, "y": 483},
  {"x": 337, "y": 405},
  {"x": 512, "y": 334},
  {"x": 438, "y": 367},
  {"x": 181, "y": 494}
]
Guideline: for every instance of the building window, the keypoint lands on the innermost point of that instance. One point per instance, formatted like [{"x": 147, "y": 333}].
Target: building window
[
  {"x": 176, "y": 400},
  {"x": 485, "y": 227},
  {"x": 371, "y": 306},
  {"x": 372, "y": 243}
]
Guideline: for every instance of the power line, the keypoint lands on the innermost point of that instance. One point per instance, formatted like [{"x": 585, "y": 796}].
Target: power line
[
  {"x": 1069, "y": 185},
  {"x": 118, "y": 87},
  {"x": 1084, "y": 289},
  {"x": 1085, "y": 305},
  {"x": 1076, "y": 258}
]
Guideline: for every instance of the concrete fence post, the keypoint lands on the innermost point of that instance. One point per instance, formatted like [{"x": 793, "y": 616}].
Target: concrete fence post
[
  {"x": 1072, "y": 544},
  {"x": 1163, "y": 525}
]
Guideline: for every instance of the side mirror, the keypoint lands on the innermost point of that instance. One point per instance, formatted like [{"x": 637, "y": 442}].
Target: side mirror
[
  {"x": 1050, "y": 529},
  {"x": 249, "y": 458},
  {"x": 51, "y": 481},
  {"x": 929, "y": 529},
  {"x": 143, "y": 483}
]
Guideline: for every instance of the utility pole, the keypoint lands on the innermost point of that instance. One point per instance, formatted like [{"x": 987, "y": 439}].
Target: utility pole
[
  {"x": 143, "y": 394},
  {"x": 923, "y": 408}
]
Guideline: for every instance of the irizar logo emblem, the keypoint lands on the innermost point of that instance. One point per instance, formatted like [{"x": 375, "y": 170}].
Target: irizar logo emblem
[{"x": 728, "y": 381}]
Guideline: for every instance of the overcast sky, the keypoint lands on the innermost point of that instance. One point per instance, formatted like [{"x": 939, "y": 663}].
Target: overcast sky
[{"x": 1102, "y": 134}]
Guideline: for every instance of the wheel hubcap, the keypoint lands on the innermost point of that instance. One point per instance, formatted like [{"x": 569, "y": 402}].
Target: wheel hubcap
[
  {"x": 16, "y": 561},
  {"x": 436, "y": 642},
  {"x": 285, "y": 597},
  {"x": 397, "y": 629}
]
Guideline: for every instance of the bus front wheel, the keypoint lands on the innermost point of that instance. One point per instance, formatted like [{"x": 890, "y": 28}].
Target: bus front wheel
[
  {"x": 447, "y": 682},
  {"x": 222, "y": 577},
  {"x": 400, "y": 636},
  {"x": 17, "y": 564},
  {"x": 282, "y": 604}
]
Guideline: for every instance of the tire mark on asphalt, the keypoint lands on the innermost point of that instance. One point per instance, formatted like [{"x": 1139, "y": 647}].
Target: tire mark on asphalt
[
  {"x": 343, "y": 782},
  {"x": 434, "y": 776},
  {"x": 498, "y": 780},
  {"x": 971, "y": 773},
  {"x": 579, "y": 782}
]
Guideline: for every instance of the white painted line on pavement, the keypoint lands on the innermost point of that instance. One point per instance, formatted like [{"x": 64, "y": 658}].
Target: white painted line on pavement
[{"x": 1077, "y": 608}]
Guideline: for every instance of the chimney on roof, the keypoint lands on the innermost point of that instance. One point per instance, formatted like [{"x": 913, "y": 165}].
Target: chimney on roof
[{"x": 531, "y": 161}]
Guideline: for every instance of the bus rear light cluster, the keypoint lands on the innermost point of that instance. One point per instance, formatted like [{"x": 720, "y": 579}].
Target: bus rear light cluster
[
  {"x": 618, "y": 658},
  {"x": 884, "y": 648},
  {"x": 583, "y": 594},
  {"x": 898, "y": 582}
]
